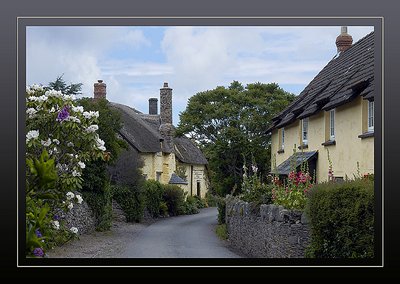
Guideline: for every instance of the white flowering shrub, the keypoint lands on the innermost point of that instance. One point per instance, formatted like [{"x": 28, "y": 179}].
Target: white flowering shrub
[
  {"x": 65, "y": 130},
  {"x": 60, "y": 138}
]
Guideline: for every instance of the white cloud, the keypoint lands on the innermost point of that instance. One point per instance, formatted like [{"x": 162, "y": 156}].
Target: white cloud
[{"x": 192, "y": 59}]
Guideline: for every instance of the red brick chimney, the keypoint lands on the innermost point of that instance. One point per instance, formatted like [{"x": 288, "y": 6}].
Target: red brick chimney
[
  {"x": 100, "y": 90},
  {"x": 344, "y": 40}
]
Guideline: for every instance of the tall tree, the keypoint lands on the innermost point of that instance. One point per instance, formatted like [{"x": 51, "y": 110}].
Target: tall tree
[
  {"x": 229, "y": 125},
  {"x": 60, "y": 85}
]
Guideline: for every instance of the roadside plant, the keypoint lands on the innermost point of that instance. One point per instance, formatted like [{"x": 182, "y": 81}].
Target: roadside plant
[
  {"x": 253, "y": 189},
  {"x": 292, "y": 192},
  {"x": 61, "y": 138}
]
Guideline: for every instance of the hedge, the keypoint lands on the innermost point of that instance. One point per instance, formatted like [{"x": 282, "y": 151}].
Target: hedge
[{"x": 342, "y": 220}]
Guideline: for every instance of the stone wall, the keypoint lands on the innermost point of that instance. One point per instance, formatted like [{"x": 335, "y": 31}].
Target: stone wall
[
  {"x": 268, "y": 231},
  {"x": 81, "y": 217}
]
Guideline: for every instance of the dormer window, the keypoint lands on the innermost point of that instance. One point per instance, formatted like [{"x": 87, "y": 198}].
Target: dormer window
[
  {"x": 304, "y": 131},
  {"x": 371, "y": 109}
]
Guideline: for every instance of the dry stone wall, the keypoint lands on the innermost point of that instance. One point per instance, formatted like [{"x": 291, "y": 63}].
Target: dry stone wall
[{"x": 267, "y": 231}]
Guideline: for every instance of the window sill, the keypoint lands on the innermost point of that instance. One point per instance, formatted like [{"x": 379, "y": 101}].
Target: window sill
[
  {"x": 329, "y": 143},
  {"x": 305, "y": 146},
  {"x": 366, "y": 135},
  {"x": 281, "y": 151}
]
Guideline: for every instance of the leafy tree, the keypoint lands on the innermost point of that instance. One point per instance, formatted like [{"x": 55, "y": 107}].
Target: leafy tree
[
  {"x": 229, "y": 125},
  {"x": 60, "y": 85}
]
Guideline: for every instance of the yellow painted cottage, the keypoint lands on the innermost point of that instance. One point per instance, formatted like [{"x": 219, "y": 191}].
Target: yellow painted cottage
[
  {"x": 334, "y": 113},
  {"x": 153, "y": 147}
]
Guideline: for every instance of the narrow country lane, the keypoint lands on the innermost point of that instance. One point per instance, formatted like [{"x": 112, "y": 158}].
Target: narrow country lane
[{"x": 189, "y": 236}]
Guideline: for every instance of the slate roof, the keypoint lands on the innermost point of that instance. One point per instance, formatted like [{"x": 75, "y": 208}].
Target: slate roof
[
  {"x": 175, "y": 179},
  {"x": 300, "y": 157},
  {"x": 142, "y": 132},
  {"x": 348, "y": 75}
]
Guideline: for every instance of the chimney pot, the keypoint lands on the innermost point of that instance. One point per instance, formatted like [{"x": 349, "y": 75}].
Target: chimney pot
[{"x": 165, "y": 85}]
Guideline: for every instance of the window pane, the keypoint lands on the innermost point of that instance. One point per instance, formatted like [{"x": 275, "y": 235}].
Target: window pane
[
  {"x": 305, "y": 129},
  {"x": 370, "y": 115},
  {"x": 332, "y": 124}
]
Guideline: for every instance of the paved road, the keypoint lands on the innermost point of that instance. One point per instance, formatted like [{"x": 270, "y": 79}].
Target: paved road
[{"x": 189, "y": 236}]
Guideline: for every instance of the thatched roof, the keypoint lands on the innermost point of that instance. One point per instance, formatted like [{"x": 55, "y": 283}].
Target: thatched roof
[
  {"x": 141, "y": 131},
  {"x": 348, "y": 75},
  {"x": 187, "y": 152},
  {"x": 137, "y": 131}
]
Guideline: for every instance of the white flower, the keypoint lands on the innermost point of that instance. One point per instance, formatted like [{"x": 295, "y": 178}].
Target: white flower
[
  {"x": 76, "y": 174},
  {"x": 79, "y": 198},
  {"x": 70, "y": 195},
  {"x": 46, "y": 143},
  {"x": 74, "y": 230},
  {"x": 56, "y": 141},
  {"x": 92, "y": 128},
  {"x": 52, "y": 109},
  {"x": 53, "y": 93},
  {"x": 73, "y": 118},
  {"x": 55, "y": 150},
  {"x": 55, "y": 224},
  {"x": 77, "y": 109},
  {"x": 81, "y": 165},
  {"x": 100, "y": 144},
  {"x": 90, "y": 114},
  {"x": 38, "y": 99},
  {"x": 33, "y": 134},
  {"x": 37, "y": 87},
  {"x": 70, "y": 206},
  {"x": 31, "y": 112},
  {"x": 69, "y": 97},
  {"x": 70, "y": 144}
]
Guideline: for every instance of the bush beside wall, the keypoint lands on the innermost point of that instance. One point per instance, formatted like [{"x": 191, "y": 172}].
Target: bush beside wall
[
  {"x": 174, "y": 197},
  {"x": 131, "y": 200},
  {"x": 153, "y": 192},
  {"x": 342, "y": 220}
]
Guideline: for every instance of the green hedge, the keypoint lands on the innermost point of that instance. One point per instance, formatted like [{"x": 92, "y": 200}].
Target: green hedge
[
  {"x": 131, "y": 200},
  {"x": 101, "y": 204},
  {"x": 174, "y": 197},
  {"x": 221, "y": 203},
  {"x": 153, "y": 192},
  {"x": 342, "y": 220}
]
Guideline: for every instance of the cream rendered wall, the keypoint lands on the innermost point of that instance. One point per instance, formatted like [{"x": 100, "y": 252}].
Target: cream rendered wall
[
  {"x": 292, "y": 137},
  {"x": 349, "y": 149},
  {"x": 167, "y": 164},
  {"x": 199, "y": 174}
]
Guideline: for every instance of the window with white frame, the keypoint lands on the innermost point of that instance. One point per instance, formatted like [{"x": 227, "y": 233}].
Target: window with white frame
[
  {"x": 371, "y": 108},
  {"x": 304, "y": 130},
  {"x": 283, "y": 138},
  {"x": 332, "y": 124}
]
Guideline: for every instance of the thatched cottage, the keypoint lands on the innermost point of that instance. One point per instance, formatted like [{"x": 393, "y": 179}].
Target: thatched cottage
[{"x": 153, "y": 147}]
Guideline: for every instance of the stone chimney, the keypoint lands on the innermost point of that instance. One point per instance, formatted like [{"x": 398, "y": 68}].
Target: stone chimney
[
  {"x": 166, "y": 104},
  {"x": 153, "y": 106},
  {"x": 344, "y": 40},
  {"x": 166, "y": 127},
  {"x": 100, "y": 90}
]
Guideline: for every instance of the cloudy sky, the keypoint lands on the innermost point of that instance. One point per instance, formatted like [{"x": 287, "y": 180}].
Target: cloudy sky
[{"x": 135, "y": 61}]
